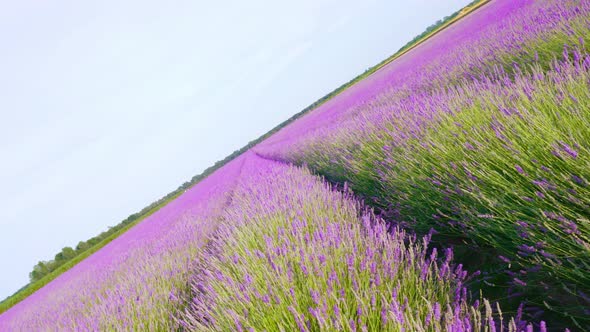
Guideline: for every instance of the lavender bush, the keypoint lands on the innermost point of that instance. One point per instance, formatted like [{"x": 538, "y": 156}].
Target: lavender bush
[{"x": 294, "y": 255}]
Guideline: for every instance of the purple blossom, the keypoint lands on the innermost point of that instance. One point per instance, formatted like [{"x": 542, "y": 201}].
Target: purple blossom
[{"x": 569, "y": 150}]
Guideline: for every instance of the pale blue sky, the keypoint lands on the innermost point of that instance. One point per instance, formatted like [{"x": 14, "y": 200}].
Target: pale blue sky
[{"x": 106, "y": 106}]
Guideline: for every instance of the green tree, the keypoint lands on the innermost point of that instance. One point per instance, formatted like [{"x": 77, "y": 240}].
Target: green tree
[
  {"x": 65, "y": 254},
  {"x": 39, "y": 271}
]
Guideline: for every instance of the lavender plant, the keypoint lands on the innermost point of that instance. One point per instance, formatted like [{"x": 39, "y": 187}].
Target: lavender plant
[{"x": 294, "y": 255}]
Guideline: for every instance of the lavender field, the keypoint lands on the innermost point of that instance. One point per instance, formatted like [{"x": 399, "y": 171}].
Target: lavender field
[{"x": 448, "y": 191}]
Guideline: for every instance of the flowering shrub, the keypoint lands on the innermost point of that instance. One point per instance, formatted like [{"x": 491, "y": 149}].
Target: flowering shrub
[{"x": 293, "y": 254}]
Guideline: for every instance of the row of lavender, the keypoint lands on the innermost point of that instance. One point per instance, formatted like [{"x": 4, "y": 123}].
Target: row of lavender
[
  {"x": 481, "y": 134},
  {"x": 136, "y": 281},
  {"x": 294, "y": 255},
  {"x": 501, "y": 34}
]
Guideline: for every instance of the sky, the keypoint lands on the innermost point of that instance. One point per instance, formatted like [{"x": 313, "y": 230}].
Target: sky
[{"x": 106, "y": 106}]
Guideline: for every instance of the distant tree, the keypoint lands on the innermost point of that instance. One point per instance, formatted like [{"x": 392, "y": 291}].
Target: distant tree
[
  {"x": 39, "y": 271},
  {"x": 66, "y": 253},
  {"x": 82, "y": 245}
]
